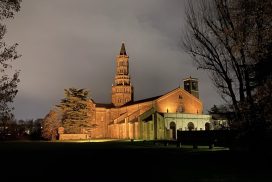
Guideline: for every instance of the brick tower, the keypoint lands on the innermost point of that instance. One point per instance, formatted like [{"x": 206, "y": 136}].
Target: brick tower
[
  {"x": 191, "y": 86},
  {"x": 122, "y": 90}
]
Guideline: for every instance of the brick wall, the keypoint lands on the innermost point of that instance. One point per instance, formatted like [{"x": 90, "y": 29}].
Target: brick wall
[{"x": 73, "y": 136}]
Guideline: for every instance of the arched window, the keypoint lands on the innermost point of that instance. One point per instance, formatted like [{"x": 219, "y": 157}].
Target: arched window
[
  {"x": 207, "y": 126},
  {"x": 191, "y": 126},
  {"x": 173, "y": 128}
]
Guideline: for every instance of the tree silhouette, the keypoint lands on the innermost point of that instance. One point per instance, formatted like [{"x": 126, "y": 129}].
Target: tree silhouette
[
  {"x": 231, "y": 39},
  {"x": 8, "y": 80},
  {"x": 77, "y": 111}
]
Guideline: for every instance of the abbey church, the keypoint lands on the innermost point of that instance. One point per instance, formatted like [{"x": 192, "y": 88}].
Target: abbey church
[{"x": 158, "y": 117}]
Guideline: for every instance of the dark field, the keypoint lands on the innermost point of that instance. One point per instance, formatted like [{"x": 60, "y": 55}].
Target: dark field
[{"x": 126, "y": 161}]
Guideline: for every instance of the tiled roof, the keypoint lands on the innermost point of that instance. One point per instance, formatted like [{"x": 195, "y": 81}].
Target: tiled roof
[
  {"x": 108, "y": 106},
  {"x": 104, "y": 105},
  {"x": 143, "y": 100}
]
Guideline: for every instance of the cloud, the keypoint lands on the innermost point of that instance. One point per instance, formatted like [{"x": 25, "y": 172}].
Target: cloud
[{"x": 67, "y": 43}]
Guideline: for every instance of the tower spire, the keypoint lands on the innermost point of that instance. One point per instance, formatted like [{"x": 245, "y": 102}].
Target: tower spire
[
  {"x": 122, "y": 90},
  {"x": 123, "y": 49}
]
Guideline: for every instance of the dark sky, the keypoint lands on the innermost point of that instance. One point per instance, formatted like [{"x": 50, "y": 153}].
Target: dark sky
[{"x": 73, "y": 43}]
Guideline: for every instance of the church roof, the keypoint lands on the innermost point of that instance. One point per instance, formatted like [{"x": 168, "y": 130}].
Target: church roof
[
  {"x": 108, "y": 106},
  {"x": 184, "y": 91},
  {"x": 143, "y": 100},
  {"x": 123, "y": 50}
]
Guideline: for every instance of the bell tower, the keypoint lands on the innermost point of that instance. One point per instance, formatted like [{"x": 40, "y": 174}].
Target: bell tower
[
  {"x": 122, "y": 90},
  {"x": 191, "y": 86}
]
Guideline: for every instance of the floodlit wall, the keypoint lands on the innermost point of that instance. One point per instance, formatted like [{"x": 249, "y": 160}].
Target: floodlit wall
[
  {"x": 161, "y": 132},
  {"x": 73, "y": 136},
  {"x": 182, "y": 120},
  {"x": 181, "y": 101}
]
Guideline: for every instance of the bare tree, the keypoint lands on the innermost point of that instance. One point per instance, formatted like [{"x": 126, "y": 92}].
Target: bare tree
[{"x": 228, "y": 38}]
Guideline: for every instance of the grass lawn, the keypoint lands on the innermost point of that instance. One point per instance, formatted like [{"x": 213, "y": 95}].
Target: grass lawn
[{"x": 128, "y": 161}]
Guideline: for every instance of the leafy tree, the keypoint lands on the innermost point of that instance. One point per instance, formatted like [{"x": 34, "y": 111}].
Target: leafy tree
[
  {"x": 50, "y": 124},
  {"x": 77, "y": 110},
  {"x": 8, "y": 81},
  {"x": 231, "y": 39}
]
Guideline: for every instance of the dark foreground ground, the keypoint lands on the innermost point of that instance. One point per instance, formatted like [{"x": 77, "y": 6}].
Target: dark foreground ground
[{"x": 125, "y": 161}]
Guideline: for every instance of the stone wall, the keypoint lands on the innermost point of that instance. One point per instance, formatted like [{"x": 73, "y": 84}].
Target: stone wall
[{"x": 73, "y": 136}]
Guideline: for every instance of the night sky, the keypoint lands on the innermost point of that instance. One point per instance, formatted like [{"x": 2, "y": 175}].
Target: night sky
[{"x": 73, "y": 43}]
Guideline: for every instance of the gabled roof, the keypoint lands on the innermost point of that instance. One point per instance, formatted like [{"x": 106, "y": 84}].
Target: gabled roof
[
  {"x": 143, "y": 100},
  {"x": 108, "y": 106},
  {"x": 181, "y": 89}
]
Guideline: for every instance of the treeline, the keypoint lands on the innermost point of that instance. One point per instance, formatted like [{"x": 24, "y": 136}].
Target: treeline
[{"x": 21, "y": 130}]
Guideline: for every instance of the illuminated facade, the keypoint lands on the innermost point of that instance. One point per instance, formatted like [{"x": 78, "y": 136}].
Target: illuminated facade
[{"x": 152, "y": 118}]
